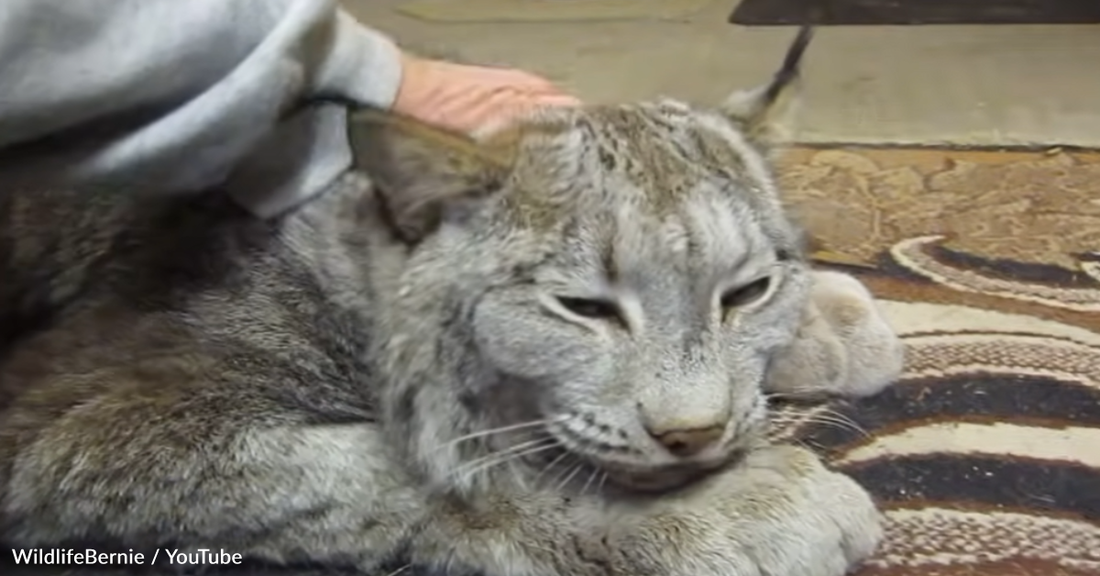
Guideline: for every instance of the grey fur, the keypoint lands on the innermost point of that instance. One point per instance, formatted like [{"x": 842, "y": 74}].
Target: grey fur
[{"x": 320, "y": 388}]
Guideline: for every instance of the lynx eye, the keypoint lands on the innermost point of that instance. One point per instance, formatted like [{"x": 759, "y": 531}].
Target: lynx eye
[
  {"x": 597, "y": 309},
  {"x": 747, "y": 294}
]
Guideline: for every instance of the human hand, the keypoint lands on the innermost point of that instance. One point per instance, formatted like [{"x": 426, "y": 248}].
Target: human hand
[{"x": 469, "y": 99}]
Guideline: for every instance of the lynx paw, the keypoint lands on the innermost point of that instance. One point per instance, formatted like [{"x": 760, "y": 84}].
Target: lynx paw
[
  {"x": 844, "y": 347},
  {"x": 779, "y": 513}
]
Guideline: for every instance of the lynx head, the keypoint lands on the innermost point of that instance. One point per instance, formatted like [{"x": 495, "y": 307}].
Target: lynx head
[{"x": 596, "y": 292}]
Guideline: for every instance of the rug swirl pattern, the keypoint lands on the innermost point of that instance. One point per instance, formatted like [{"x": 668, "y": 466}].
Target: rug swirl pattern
[{"x": 986, "y": 456}]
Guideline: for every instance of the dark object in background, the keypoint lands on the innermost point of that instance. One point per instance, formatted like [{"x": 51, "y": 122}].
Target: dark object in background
[{"x": 914, "y": 12}]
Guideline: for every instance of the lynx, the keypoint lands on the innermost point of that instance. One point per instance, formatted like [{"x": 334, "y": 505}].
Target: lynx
[{"x": 542, "y": 351}]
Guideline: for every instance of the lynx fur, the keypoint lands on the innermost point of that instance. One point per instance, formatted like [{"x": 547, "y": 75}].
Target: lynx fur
[{"x": 542, "y": 352}]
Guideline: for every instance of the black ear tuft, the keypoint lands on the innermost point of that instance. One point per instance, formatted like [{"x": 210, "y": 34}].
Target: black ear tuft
[
  {"x": 761, "y": 112},
  {"x": 791, "y": 69}
]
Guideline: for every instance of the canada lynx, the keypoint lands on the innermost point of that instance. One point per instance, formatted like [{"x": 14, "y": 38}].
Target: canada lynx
[{"x": 542, "y": 352}]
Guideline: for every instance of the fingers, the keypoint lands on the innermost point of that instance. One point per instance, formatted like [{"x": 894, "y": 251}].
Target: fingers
[
  {"x": 474, "y": 99},
  {"x": 518, "y": 79},
  {"x": 502, "y": 107},
  {"x": 542, "y": 92},
  {"x": 563, "y": 100},
  {"x": 527, "y": 90}
]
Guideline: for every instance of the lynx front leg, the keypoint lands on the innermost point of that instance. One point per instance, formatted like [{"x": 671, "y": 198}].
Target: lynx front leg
[{"x": 778, "y": 513}]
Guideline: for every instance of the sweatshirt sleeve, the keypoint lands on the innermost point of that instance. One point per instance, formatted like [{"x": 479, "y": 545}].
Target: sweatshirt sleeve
[{"x": 172, "y": 96}]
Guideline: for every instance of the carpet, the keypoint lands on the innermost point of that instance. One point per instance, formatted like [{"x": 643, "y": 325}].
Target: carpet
[
  {"x": 914, "y": 12},
  {"x": 986, "y": 456}
]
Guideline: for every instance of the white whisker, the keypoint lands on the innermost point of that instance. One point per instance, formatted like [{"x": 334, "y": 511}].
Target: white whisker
[
  {"x": 839, "y": 423},
  {"x": 505, "y": 451},
  {"x": 497, "y": 458},
  {"x": 499, "y": 430},
  {"x": 591, "y": 477},
  {"x": 599, "y": 486},
  {"x": 841, "y": 420},
  {"x": 552, "y": 463},
  {"x": 576, "y": 468},
  {"x": 846, "y": 418},
  {"x": 400, "y": 570}
]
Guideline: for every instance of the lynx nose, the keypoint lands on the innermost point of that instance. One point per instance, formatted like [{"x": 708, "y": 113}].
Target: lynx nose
[{"x": 687, "y": 442}]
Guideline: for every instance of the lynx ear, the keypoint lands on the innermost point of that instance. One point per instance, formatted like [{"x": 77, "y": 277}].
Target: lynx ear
[
  {"x": 419, "y": 171},
  {"x": 764, "y": 112}
]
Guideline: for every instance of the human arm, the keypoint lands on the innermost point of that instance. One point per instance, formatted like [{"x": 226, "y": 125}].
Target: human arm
[{"x": 171, "y": 96}]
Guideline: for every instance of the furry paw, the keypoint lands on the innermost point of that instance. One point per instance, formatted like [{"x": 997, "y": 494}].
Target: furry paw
[
  {"x": 779, "y": 512},
  {"x": 844, "y": 347}
]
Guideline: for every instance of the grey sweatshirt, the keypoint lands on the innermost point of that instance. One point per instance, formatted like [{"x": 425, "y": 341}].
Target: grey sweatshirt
[{"x": 173, "y": 96}]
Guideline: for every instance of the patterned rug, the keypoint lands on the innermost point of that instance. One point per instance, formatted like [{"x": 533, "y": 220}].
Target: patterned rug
[{"x": 986, "y": 456}]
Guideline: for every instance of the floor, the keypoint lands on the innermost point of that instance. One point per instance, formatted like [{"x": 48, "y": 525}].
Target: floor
[{"x": 993, "y": 85}]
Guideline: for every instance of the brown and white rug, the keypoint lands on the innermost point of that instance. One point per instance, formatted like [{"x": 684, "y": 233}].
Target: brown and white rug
[{"x": 986, "y": 456}]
